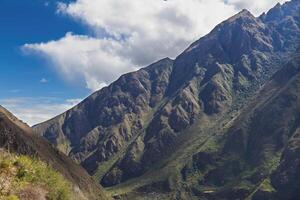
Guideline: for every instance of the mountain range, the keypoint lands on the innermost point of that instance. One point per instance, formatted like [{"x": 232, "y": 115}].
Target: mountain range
[{"x": 220, "y": 121}]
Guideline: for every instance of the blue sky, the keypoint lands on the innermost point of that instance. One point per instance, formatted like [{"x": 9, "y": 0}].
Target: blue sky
[
  {"x": 32, "y": 21},
  {"x": 25, "y": 77},
  {"x": 55, "y": 53}
]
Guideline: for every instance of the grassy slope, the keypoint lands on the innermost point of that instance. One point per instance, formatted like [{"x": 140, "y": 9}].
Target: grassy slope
[{"x": 23, "y": 177}]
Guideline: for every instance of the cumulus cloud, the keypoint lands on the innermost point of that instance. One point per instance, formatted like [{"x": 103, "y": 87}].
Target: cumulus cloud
[
  {"x": 36, "y": 110},
  {"x": 97, "y": 61},
  {"x": 132, "y": 34}
]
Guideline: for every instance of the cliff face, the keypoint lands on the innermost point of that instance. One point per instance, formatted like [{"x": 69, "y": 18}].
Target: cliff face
[
  {"x": 17, "y": 137},
  {"x": 182, "y": 122}
]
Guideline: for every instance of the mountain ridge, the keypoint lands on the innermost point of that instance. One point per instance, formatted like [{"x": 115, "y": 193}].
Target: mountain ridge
[
  {"x": 130, "y": 128},
  {"x": 18, "y": 137}
]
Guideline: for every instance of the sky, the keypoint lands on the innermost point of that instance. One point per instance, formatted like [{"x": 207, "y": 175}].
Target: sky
[{"x": 54, "y": 53}]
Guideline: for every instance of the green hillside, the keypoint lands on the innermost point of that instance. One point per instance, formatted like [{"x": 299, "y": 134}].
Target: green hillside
[{"x": 23, "y": 177}]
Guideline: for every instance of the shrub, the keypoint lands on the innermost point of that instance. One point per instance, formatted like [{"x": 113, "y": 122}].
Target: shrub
[
  {"x": 4, "y": 165},
  {"x": 12, "y": 197}
]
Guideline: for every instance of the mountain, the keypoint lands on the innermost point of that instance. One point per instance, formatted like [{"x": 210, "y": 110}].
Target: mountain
[
  {"x": 215, "y": 123},
  {"x": 256, "y": 151},
  {"x": 19, "y": 138}
]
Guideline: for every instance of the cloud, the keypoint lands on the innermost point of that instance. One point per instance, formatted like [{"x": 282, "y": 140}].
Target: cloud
[
  {"x": 132, "y": 34},
  {"x": 257, "y": 7},
  {"x": 44, "y": 81},
  {"x": 47, "y": 3},
  {"x": 36, "y": 110},
  {"x": 75, "y": 57}
]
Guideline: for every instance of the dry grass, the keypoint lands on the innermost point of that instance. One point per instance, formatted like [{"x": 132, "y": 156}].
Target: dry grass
[{"x": 22, "y": 177}]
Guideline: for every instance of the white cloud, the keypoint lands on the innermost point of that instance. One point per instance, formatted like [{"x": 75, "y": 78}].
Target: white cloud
[
  {"x": 97, "y": 61},
  {"x": 132, "y": 34},
  {"x": 35, "y": 110},
  {"x": 44, "y": 81},
  {"x": 257, "y": 7}
]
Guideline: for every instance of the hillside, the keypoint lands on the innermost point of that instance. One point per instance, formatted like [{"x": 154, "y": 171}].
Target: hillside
[
  {"x": 205, "y": 125},
  {"x": 17, "y": 137},
  {"x": 25, "y": 178}
]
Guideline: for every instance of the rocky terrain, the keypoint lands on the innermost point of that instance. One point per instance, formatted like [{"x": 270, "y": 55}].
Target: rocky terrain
[
  {"x": 218, "y": 122},
  {"x": 16, "y": 137}
]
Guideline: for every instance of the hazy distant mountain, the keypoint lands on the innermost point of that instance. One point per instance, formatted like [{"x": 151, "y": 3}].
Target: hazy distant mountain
[
  {"x": 218, "y": 122},
  {"x": 17, "y": 137}
]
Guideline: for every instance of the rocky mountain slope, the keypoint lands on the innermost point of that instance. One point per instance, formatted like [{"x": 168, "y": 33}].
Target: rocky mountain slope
[
  {"x": 197, "y": 127},
  {"x": 17, "y": 137}
]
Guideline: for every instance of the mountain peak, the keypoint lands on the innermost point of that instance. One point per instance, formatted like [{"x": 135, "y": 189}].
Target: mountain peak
[
  {"x": 242, "y": 14},
  {"x": 245, "y": 11},
  {"x": 278, "y": 5},
  {"x": 281, "y": 11}
]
